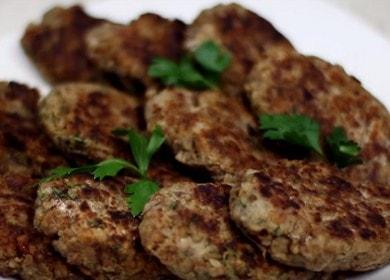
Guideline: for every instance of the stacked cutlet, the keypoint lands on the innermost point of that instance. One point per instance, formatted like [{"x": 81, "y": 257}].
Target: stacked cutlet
[{"x": 228, "y": 207}]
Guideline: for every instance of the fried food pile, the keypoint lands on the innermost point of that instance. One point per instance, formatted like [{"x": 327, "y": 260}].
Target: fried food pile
[{"x": 228, "y": 207}]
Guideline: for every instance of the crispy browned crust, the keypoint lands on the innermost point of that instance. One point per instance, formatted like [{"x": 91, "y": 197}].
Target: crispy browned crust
[
  {"x": 93, "y": 228},
  {"x": 292, "y": 83},
  {"x": 243, "y": 33},
  {"x": 24, "y": 153},
  {"x": 57, "y": 46},
  {"x": 308, "y": 215},
  {"x": 205, "y": 129},
  {"x": 128, "y": 50},
  {"x": 23, "y": 146},
  {"x": 80, "y": 117},
  {"x": 23, "y": 251},
  {"x": 186, "y": 226}
]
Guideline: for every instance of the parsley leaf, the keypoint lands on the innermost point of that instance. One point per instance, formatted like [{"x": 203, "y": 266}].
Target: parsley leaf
[
  {"x": 142, "y": 149},
  {"x": 166, "y": 70},
  {"x": 64, "y": 171},
  {"x": 342, "y": 151},
  {"x": 111, "y": 168},
  {"x": 211, "y": 57},
  {"x": 140, "y": 193},
  {"x": 200, "y": 70},
  {"x": 296, "y": 130}
]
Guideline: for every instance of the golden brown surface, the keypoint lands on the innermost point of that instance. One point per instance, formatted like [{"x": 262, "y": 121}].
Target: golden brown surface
[
  {"x": 246, "y": 35},
  {"x": 128, "y": 50},
  {"x": 292, "y": 83},
  {"x": 205, "y": 129},
  {"x": 93, "y": 228},
  {"x": 80, "y": 117},
  {"x": 23, "y": 251},
  {"x": 57, "y": 45},
  {"x": 186, "y": 226},
  {"x": 306, "y": 214}
]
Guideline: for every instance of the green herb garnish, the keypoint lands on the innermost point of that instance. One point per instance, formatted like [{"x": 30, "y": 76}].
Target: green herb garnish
[
  {"x": 342, "y": 151},
  {"x": 297, "y": 130},
  {"x": 139, "y": 193},
  {"x": 142, "y": 149},
  {"x": 200, "y": 70}
]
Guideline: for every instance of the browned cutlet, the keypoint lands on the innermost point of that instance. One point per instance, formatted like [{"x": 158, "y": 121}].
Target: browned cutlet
[
  {"x": 205, "y": 129},
  {"x": 25, "y": 153},
  {"x": 23, "y": 145},
  {"x": 23, "y": 251},
  {"x": 92, "y": 228},
  {"x": 128, "y": 50},
  {"x": 293, "y": 83},
  {"x": 246, "y": 35},
  {"x": 57, "y": 46},
  {"x": 187, "y": 227},
  {"x": 80, "y": 117},
  {"x": 306, "y": 214}
]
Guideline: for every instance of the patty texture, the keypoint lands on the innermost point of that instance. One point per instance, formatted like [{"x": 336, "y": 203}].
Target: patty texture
[
  {"x": 57, "y": 45},
  {"x": 25, "y": 155},
  {"x": 246, "y": 35},
  {"x": 23, "y": 146},
  {"x": 128, "y": 50},
  {"x": 92, "y": 228},
  {"x": 24, "y": 252},
  {"x": 205, "y": 129},
  {"x": 186, "y": 226},
  {"x": 80, "y": 117},
  {"x": 292, "y": 83},
  {"x": 306, "y": 214}
]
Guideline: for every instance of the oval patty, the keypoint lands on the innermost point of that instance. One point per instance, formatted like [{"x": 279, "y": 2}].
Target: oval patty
[
  {"x": 306, "y": 214},
  {"x": 246, "y": 35},
  {"x": 287, "y": 82},
  {"x": 80, "y": 117},
  {"x": 186, "y": 226},
  {"x": 93, "y": 229}
]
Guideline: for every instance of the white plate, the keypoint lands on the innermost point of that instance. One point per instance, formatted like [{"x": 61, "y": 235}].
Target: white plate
[{"x": 314, "y": 27}]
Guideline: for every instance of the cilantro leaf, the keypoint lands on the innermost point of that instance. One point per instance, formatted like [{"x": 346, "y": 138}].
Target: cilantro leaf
[
  {"x": 342, "y": 151},
  {"x": 140, "y": 193},
  {"x": 296, "y": 130},
  {"x": 111, "y": 168},
  {"x": 201, "y": 70},
  {"x": 210, "y": 56}
]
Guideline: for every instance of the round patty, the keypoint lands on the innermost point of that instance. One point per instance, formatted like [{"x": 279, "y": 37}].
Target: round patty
[
  {"x": 57, "y": 45},
  {"x": 23, "y": 147},
  {"x": 205, "y": 129},
  {"x": 80, "y": 117},
  {"x": 243, "y": 33},
  {"x": 307, "y": 215},
  {"x": 93, "y": 229},
  {"x": 186, "y": 226},
  {"x": 128, "y": 50},
  {"x": 287, "y": 82},
  {"x": 24, "y": 252}
]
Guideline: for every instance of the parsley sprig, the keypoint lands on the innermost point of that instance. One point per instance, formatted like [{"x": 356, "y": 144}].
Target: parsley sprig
[
  {"x": 304, "y": 132},
  {"x": 198, "y": 70},
  {"x": 342, "y": 151},
  {"x": 143, "y": 150}
]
